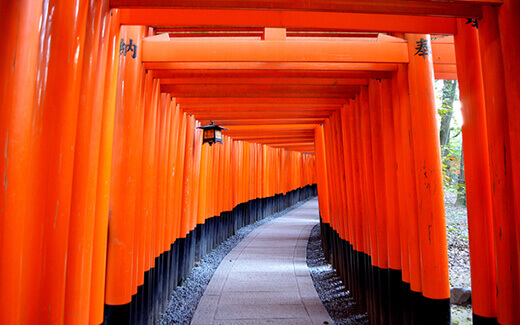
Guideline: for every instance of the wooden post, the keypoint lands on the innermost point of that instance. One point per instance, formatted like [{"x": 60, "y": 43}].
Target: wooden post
[
  {"x": 508, "y": 14},
  {"x": 86, "y": 161},
  {"x": 123, "y": 191},
  {"x": 392, "y": 207},
  {"x": 321, "y": 170},
  {"x": 20, "y": 270},
  {"x": 99, "y": 249},
  {"x": 477, "y": 169},
  {"x": 432, "y": 220},
  {"x": 412, "y": 242},
  {"x": 501, "y": 168}
]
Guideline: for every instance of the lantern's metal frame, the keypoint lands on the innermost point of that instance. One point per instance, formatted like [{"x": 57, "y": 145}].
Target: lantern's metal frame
[{"x": 212, "y": 133}]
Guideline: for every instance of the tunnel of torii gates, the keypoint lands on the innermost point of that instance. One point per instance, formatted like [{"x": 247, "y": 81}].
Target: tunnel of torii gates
[{"x": 108, "y": 195}]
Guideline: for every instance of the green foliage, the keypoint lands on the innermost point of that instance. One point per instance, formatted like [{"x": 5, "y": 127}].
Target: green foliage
[{"x": 451, "y": 152}]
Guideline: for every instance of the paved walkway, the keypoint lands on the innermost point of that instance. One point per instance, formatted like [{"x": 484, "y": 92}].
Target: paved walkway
[{"x": 265, "y": 279}]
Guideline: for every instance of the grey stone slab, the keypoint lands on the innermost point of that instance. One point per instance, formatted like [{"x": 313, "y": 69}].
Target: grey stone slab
[
  {"x": 264, "y": 267},
  {"x": 206, "y": 310},
  {"x": 255, "y": 297},
  {"x": 301, "y": 269},
  {"x": 274, "y": 321},
  {"x": 261, "y": 286},
  {"x": 258, "y": 276},
  {"x": 258, "y": 311}
]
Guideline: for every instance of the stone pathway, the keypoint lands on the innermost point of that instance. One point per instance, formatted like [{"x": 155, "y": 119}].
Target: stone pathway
[{"x": 265, "y": 279}]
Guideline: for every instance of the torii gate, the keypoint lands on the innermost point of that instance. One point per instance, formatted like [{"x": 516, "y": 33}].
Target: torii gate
[{"x": 96, "y": 114}]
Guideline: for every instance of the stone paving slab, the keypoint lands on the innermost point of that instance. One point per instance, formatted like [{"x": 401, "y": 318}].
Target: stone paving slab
[{"x": 265, "y": 279}]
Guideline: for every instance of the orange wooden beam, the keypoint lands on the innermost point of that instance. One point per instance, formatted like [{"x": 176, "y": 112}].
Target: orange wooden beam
[
  {"x": 294, "y": 144},
  {"x": 195, "y": 108},
  {"x": 224, "y": 72},
  {"x": 270, "y": 135},
  {"x": 252, "y": 122},
  {"x": 299, "y": 148},
  {"x": 239, "y": 113},
  {"x": 400, "y": 7},
  {"x": 273, "y": 94},
  {"x": 272, "y": 127},
  {"x": 279, "y": 141},
  {"x": 261, "y": 115},
  {"x": 443, "y": 53},
  {"x": 269, "y": 139},
  {"x": 271, "y": 51},
  {"x": 445, "y": 71},
  {"x": 344, "y": 21},
  {"x": 184, "y": 101},
  {"x": 247, "y": 90},
  {"x": 265, "y": 81},
  {"x": 275, "y": 67}
]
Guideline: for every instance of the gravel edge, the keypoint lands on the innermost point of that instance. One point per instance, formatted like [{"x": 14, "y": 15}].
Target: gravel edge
[
  {"x": 185, "y": 299},
  {"x": 337, "y": 300}
]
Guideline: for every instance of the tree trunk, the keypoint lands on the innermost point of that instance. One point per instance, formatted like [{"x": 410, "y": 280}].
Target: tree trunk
[
  {"x": 446, "y": 112},
  {"x": 461, "y": 184}
]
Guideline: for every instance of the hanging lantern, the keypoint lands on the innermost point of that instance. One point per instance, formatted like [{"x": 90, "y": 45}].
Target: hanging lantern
[{"x": 212, "y": 133}]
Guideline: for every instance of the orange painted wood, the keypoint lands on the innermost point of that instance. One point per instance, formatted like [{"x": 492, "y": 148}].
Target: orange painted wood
[
  {"x": 391, "y": 179},
  {"x": 197, "y": 161},
  {"x": 186, "y": 204},
  {"x": 210, "y": 190},
  {"x": 171, "y": 217},
  {"x": 224, "y": 72},
  {"x": 407, "y": 140},
  {"x": 124, "y": 173},
  {"x": 244, "y": 106},
  {"x": 259, "y": 158},
  {"x": 86, "y": 162},
  {"x": 274, "y": 51},
  {"x": 18, "y": 79},
  {"x": 501, "y": 167},
  {"x": 210, "y": 89},
  {"x": 345, "y": 21},
  {"x": 220, "y": 189},
  {"x": 266, "y": 114},
  {"x": 232, "y": 102},
  {"x": 250, "y": 122},
  {"x": 99, "y": 249},
  {"x": 161, "y": 158},
  {"x": 264, "y": 81},
  {"x": 330, "y": 161},
  {"x": 348, "y": 154},
  {"x": 432, "y": 219},
  {"x": 148, "y": 179},
  {"x": 507, "y": 17},
  {"x": 378, "y": 150},
  {"x": 228, "y": 175},
  {"x": 167, "y": 184},
  {"x": 443, "y": 53},
  {"x": 361, "y": 220},
  {"x": 138, "y": 235},
  {"x": 424, "y": 8},
  {"x": 53, "y": 135},
  {"x": 256, "y": 128},
  {"x": 401, "y": 185},
  {"x": 202, "y": 214},
  {"x": 477, "y": 171},
  {"x": 368, "y": 160},
  {"x": 277, "y": 142},
  {"x": 340, "y": 146},
  {"x": 273, "y": 68},
  {"x": 179, "y": 175}
]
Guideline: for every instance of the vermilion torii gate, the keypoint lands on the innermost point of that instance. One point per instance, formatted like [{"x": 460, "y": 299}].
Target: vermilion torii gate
[{"x": 100, "y": 103}]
